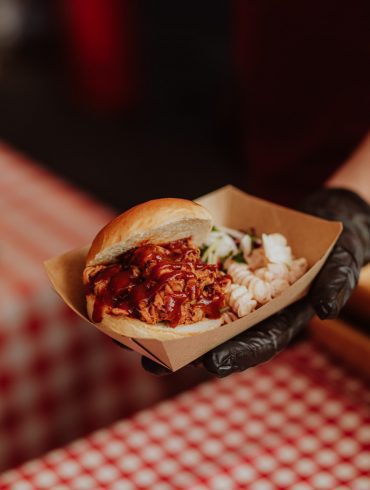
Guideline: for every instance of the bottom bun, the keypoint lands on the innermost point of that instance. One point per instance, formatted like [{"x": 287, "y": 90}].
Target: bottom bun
[{"x": 133, "y": 328}]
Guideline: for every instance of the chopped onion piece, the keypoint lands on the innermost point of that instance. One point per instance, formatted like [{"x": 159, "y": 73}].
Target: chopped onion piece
[
  {"x": 246, "y": 246},
  {"x": 234, "y": 233},
  {"x": 276, "y": 248},
  {"x": 220, "y": 244}
]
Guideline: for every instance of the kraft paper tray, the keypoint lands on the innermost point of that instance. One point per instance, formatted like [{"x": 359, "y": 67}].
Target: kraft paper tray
[{"x": 308, "y": 236}]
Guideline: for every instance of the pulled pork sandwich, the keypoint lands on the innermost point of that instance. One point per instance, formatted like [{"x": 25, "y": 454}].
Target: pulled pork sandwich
[{"x": 144, "y": 277}]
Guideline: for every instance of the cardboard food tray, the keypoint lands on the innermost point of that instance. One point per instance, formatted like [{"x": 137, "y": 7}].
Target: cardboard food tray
[{"x": 308, "y": 236}]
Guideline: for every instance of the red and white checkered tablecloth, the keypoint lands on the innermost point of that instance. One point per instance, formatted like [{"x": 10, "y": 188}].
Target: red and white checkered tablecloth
[
  {"x": 299, "y": 422},
  {"x": 59, "y": 378}
]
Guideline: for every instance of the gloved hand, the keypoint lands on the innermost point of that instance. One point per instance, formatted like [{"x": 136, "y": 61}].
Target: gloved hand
[
  {"x": 340, "y": 274},
  {"x": 330, "y": 291}
]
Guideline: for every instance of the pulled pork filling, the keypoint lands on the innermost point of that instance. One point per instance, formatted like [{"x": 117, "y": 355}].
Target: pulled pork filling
[{"x": 159, "y": 283}]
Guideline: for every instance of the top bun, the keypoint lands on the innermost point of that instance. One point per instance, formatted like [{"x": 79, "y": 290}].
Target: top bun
[{"x": 156, "y": 221}]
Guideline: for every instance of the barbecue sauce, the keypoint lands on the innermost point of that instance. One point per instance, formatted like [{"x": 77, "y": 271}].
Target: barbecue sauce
[{"x": 121, "y": 287}]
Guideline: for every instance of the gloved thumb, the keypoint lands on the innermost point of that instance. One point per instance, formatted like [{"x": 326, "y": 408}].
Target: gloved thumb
[{"x": 337, "y": 279}]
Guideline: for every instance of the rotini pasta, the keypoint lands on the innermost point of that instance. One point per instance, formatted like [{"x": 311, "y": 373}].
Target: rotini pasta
[
  {"x": 260, "y": 290},
  {"x": 228, "y": 317},
  {"x": 257, "y": 259},
  {"x": 272, "y": 272},
  {"x": 260, "y": 270},
  {"x": 298, "y": 268},
  {"x": 278, "y": 286},
  {"x": 246, "y": 246},
  {"x": 241, "y": 300},
  {"x": 240, "y": 273}
]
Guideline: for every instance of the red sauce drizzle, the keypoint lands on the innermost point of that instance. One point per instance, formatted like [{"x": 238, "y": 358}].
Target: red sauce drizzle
[{"x": 157, "y": 265}]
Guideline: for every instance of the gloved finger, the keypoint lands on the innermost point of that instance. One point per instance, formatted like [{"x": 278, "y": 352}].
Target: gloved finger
[
  {"x": 153, "y": 367},
  {"x": 260, "y": 343},
  {"x": 335, "y": 283}
]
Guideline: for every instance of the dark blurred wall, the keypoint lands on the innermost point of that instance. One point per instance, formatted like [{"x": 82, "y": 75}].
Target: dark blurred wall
[
  {"x": 175, "y": 139},
  {"x": 267, "y": 95},
  {"x": 304, "y": 71}
]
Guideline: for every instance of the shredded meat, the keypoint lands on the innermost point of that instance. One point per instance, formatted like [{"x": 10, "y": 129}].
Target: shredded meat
[{"x": 161, "y": 283}]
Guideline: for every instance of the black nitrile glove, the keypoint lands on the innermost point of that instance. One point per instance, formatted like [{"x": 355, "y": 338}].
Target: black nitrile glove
[
  {"x": 260, "y": 343},
  {"x": 340, "y": 274},
  {"x": 330, "y": 291}
]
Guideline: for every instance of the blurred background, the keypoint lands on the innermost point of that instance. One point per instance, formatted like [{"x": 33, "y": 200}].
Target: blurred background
[
  {"x": 107, "y": 103},
  {"x": 178, "y": 98}
]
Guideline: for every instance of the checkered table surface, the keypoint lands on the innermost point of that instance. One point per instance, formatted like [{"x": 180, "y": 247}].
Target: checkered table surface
[
  {"x": 299, "y": 422},
  {"x": 59, "y": 378}
]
